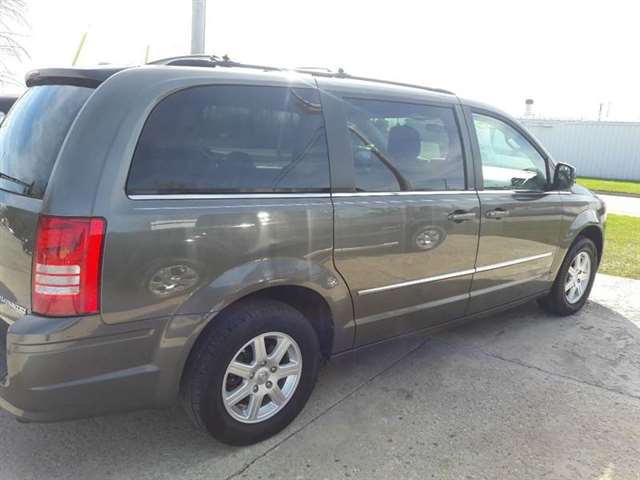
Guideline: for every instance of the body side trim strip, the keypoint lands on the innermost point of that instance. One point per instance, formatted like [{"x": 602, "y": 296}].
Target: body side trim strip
[
  {"x": 417, "y": 282},
  {"x": 436, "y": 303},
  {"x": 512, "y": 262},
  {"x": 460, "y": 273}
]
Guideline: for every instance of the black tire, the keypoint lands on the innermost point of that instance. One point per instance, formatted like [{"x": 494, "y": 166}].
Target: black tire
[
  {"x": 556, "y": 301},
  {"x": 201, "y": 388}
]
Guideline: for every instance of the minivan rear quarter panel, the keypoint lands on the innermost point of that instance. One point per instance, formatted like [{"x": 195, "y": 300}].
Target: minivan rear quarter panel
[{"x": 233, "y": 245}]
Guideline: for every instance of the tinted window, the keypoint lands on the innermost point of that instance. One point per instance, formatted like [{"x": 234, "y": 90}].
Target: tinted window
[
  {"x": 233, "y": 139},
  {"x": 417, "y": 145},
  {"x": 372, "y": 175},
  {"x": 509, "y": 161},
  {"x": 32, "y": 133}
]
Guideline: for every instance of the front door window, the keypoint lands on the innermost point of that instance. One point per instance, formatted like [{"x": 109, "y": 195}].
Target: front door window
[{"x": 509, "y": 161}]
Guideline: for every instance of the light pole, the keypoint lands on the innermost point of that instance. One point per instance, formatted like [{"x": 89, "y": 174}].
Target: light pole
[{"x": 198, "y": 9}]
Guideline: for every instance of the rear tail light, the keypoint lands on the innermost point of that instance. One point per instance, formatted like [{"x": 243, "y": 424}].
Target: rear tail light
[{"x": 65, "y": 278}]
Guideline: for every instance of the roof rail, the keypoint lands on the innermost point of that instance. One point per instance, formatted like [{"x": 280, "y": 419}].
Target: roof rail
[
  {"x": 342, "y": 74},
  {"x": 210, "y": 61},
  {"x": 225, "y": 61},
  {"x": 314, "y": 69}
]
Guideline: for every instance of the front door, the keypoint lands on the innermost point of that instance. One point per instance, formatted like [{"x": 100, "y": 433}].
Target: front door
[
  {"x": 520, "y": 217},
  {"x": 406, "y": 236}
]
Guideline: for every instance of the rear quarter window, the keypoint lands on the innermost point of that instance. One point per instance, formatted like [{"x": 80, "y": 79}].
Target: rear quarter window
[
  {"x": 32, "y": 133},
  {"x": 232, "y": 139}
]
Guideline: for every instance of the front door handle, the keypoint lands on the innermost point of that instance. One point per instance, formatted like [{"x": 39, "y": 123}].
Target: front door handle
[
  {"x": 461, "y": 216},
  {"x": 497, "y": 213}
]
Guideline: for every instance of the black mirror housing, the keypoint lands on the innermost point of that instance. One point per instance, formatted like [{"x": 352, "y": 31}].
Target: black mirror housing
[{"x": 564, "y": 176}]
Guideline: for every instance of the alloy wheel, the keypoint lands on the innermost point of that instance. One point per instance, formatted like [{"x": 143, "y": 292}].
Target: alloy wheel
[
  {"x": 578, "y": 277},
  {"x": 262, "y": 377}
]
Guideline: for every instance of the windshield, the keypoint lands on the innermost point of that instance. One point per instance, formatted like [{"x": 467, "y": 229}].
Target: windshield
[{"x": 32, "y": 133}]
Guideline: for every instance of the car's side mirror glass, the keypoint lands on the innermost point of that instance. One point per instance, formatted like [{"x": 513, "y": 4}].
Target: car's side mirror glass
[{"x": 564, "y": 177}]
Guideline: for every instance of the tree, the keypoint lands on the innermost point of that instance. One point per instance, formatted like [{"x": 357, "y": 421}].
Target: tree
[{"x": 12, "y": 19}]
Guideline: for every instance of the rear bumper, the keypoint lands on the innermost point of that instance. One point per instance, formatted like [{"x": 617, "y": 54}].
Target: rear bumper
[{"x": 64, "y": 368}]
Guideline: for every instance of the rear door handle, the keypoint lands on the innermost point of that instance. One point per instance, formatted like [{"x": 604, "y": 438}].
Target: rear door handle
[
  {"x": 461, "y": 216},
  {"x": 497, "y": 213}
]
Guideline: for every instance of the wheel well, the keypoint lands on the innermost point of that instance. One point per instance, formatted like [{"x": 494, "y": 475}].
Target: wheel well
[
  {"x": 310, "y": 304},
  {"x": 594, "y": 234},
  {"x": 306, "y": 301}
]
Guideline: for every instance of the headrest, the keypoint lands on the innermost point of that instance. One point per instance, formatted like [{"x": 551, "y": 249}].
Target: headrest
[{"x": 403, "y": 142}]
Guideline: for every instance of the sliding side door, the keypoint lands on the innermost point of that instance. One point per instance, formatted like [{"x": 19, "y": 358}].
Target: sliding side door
[{"x": 406, "y": 230}]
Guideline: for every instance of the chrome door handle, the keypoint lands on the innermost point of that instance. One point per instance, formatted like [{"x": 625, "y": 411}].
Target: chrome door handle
[
  {"x": 497, "y": 213},
  {"x": 460, "y": 216}
]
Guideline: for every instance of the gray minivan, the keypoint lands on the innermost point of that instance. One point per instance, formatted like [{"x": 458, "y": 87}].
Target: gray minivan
[{"x": 208, "y": 231}]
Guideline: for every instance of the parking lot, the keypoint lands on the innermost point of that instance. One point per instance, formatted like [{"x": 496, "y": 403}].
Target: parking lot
[{"x": 518, "y": 395}]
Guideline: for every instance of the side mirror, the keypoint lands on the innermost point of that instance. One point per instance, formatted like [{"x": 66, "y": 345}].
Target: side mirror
[{"x": 564, "y": 176}]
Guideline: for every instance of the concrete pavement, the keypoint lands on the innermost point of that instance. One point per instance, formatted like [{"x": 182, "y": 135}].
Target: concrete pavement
[
  {"x": 622, "y": 205},
  {"x": 518, "y": 395}
]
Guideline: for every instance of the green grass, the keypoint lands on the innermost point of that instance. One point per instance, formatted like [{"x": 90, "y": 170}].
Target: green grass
[
  {"x": 622, "y": 247},
  {"x": 611, "y": 186}
]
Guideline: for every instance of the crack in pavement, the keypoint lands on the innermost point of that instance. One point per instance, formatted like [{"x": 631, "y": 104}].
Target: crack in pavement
[
  {"x": 520, "y": 363},
  {"x": 325, "y": 411}
]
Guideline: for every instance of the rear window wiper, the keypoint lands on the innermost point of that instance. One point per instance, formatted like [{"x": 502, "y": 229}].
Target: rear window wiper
[{"x": 9, "y": 178}]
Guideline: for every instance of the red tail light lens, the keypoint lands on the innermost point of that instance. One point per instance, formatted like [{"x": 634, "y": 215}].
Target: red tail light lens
[{"x": 65, "y": 278}]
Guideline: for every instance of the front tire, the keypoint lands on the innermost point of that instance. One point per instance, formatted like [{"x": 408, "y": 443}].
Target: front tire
[
  {"x": 574, "y": 281},
  {"x": 252, "y": 372}
]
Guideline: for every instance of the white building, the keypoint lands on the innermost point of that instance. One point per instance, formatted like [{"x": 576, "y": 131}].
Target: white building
[{"x": 597, "y": 149}]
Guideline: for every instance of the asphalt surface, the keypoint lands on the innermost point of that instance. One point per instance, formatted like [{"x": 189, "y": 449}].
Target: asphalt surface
[
  {"x": 516, "y": 396},
  {"x": 621, "y": 205}
]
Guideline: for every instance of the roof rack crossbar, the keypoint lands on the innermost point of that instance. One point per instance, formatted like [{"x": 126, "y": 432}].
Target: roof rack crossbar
[{"x": 225, "y": 61}]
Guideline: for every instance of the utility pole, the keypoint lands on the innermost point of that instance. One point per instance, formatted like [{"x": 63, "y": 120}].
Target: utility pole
[{"x": 198, "y": 10}]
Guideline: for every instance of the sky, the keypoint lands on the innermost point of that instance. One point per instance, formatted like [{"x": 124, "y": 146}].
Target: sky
[{"x": 569, "y": 56}]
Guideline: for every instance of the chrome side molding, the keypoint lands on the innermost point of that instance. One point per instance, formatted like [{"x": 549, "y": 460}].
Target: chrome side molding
[
  {"x": 445, "y": 276},
  {"x": 460, "y": 273},
  {"x": 239, "y": 196},
  {"x": 227, "y": 196},
  {"x": 512, "y": 262}
]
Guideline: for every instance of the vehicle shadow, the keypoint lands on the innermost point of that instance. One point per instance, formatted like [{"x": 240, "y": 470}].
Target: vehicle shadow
[{"x": 598, "y": 346}]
